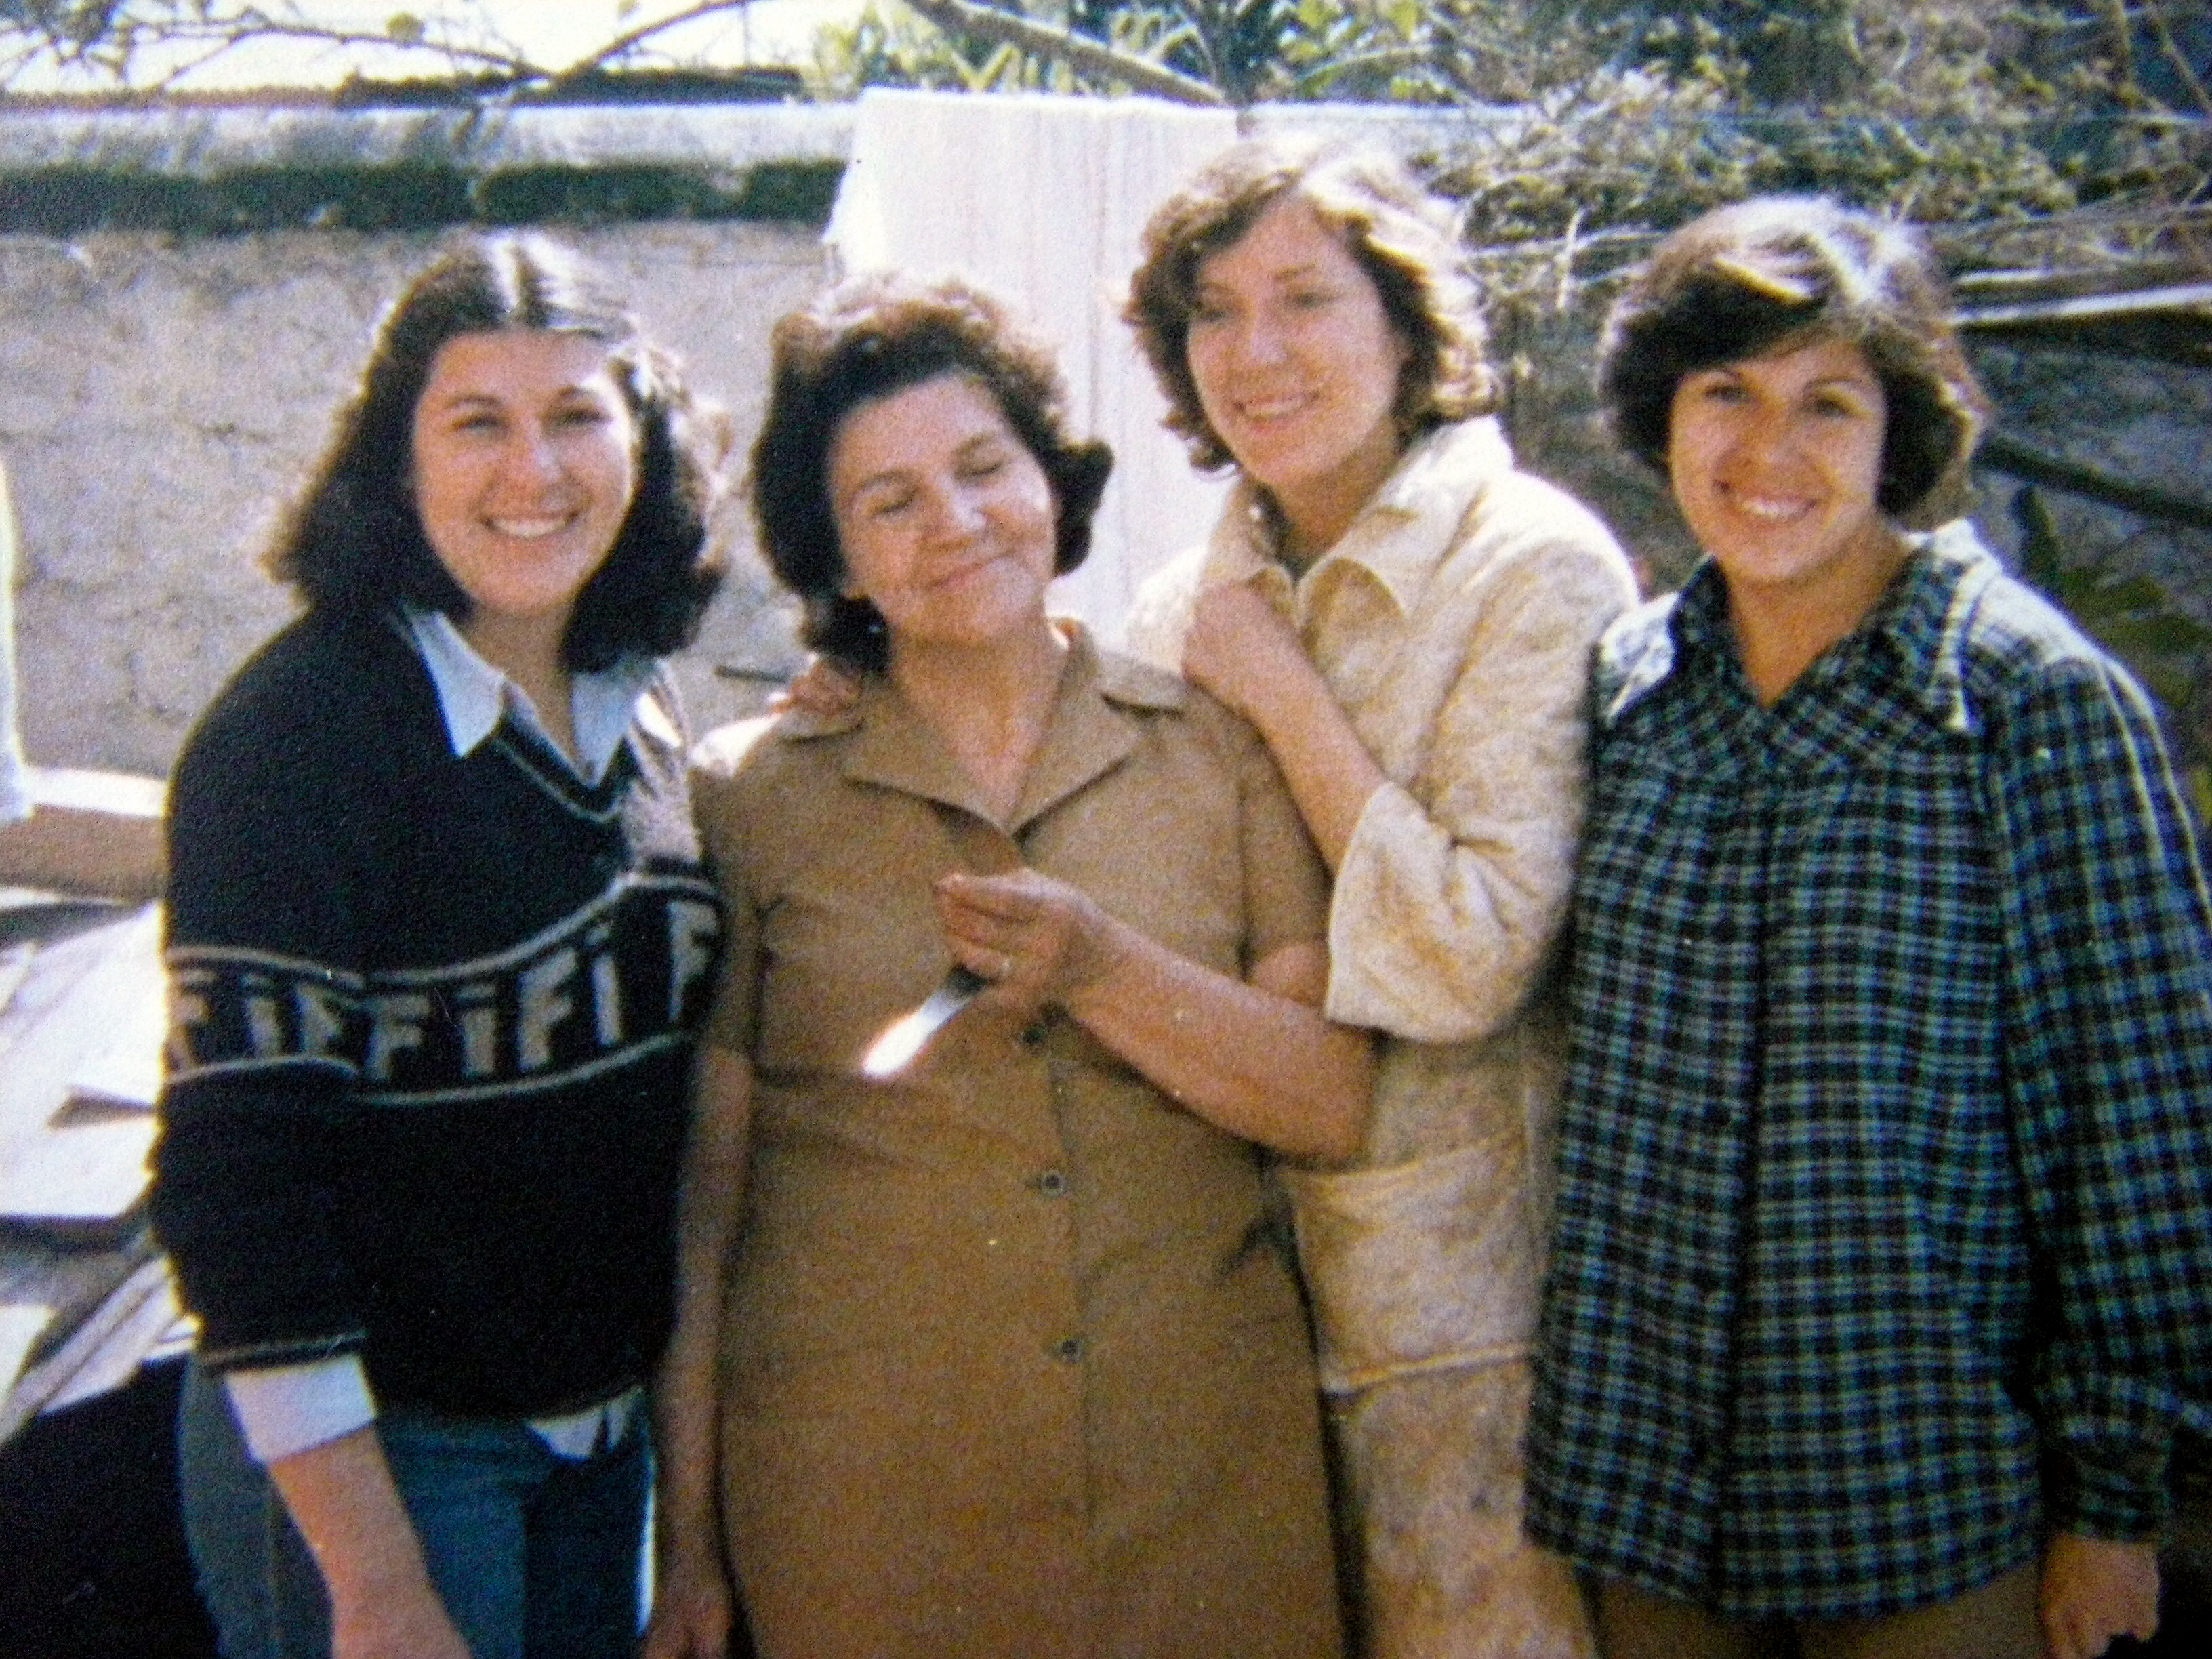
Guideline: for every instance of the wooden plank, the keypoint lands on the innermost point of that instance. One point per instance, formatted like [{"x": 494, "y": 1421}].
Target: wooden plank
[
  {"x": 88, "y": 832},
  {"x": 92, "y": 1006}
]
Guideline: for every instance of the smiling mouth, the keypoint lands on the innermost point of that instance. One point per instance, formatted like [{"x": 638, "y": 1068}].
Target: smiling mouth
[
  {"x": 960, "y": 574},
  {"x": 532, "y": 529},
  {"x": 1259, "y": 411},
  {"x": 1768, "y": 509}
]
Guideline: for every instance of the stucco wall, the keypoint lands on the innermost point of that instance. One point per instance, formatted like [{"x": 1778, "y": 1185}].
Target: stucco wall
[{"x": 161, "y": 396}]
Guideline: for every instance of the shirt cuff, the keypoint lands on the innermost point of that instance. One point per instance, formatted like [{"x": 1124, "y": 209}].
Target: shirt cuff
[
  {"x": 284, "y": 1409},
  {"x": 1372, "y": 931}
]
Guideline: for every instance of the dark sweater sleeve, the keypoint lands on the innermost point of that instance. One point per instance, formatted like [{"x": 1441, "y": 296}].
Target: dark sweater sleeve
[{"x": 267, "y": 1033}]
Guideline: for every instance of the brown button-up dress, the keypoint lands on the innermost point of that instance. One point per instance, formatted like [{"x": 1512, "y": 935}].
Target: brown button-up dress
[{"x": 1016, "y": 1363}]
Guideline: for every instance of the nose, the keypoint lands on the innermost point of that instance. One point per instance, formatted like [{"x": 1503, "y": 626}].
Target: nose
[
  {"x": 533, "y": 456},
  {"x": 955, "y": 513},
  {"x": 1761, "y": 435},
  {"x": 1258, "y": 336}
]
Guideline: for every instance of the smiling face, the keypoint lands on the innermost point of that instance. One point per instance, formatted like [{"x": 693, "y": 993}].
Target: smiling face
[
  {"x": 1297, "y": 366},
  {"x": 524, "y": 461},
  {"x": 1775, "y": 461},
  {"x": 945, "y": 521}
]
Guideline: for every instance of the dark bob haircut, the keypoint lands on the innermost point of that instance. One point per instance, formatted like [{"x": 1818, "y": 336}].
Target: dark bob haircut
[
  {"x": 1402, "y": 236},
  {"x": 1740, "y": 281},
  {"x": 867, "y": 338},
  {"x": 352, "y": 539}
]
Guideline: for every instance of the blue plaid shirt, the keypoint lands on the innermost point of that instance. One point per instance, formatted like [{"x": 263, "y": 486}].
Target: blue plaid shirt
[{"x": 1885, "y": 1219}]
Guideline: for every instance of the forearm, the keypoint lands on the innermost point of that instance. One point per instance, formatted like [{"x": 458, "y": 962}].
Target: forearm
[
  {"x": 1327, "y": 768},
  {"x": 342, "y": 1498},
  {"x": 1251, "y": 1059}
]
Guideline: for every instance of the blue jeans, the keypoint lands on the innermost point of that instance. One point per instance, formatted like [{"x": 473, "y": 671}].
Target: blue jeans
[{"x": 535, "y": 1556}]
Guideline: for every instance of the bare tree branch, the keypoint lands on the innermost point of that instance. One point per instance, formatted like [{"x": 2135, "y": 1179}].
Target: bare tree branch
[
  {"x": 1079, "y": 52},
  {"x": 602, "y": 56}
]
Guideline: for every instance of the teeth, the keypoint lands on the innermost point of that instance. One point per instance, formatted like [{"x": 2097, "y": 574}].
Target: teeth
[
  {"x": 1270, "y": 409},
  {"x": 1758, "y": 507},
  {"x": 530, "y": 529}
]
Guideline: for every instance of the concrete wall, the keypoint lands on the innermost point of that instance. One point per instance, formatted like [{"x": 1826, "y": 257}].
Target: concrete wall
[{"x": 160, "y": 399}]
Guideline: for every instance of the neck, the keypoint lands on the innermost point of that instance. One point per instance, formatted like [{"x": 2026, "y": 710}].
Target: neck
[
  {"x": 1313, "y": 513},
  {"x": 990, "y": 702},
  {"x": 528, "y": 651},
  {"x": 1781, "y": 631}
]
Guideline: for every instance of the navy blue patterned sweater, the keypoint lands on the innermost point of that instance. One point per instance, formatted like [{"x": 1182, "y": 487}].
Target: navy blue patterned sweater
[{"x": 431, "y": 1019}]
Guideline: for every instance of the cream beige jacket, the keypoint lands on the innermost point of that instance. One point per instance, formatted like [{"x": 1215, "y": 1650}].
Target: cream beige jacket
[{"x": 1455, "y": 621}]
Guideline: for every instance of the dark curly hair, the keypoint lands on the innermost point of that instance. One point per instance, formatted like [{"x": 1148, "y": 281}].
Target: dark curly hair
[
  {"x": 1740, "y": 281},
  {"x": 1402, "y": 236},
  {"x": 867, "y": 338},
  {"x": 352, "y": 539}
]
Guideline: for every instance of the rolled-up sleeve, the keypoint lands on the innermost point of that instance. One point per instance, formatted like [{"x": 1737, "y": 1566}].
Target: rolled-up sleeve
[{"x": 1452, "y": 888}]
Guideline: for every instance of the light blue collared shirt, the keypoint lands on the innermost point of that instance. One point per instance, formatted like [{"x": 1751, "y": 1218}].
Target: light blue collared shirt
[{"x": 473, "y": 696}]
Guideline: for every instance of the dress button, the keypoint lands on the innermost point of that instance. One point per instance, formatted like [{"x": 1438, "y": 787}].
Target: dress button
[
  {"x": 1033, "y": 1035},
  {"x": 1052, "y": 1184},
  {"x": 1068, "y": 1350}
]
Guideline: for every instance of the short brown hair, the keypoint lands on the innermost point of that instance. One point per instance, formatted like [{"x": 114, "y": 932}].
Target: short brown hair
[
  {"x": 1402, "y": 236},
  {"x": 867, "y": 338},
  {"x": 1740, "y": 281},
  {"x": 353, "y": 540}
]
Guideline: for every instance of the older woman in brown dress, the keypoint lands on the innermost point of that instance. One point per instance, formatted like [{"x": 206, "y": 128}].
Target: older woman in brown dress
[{"x": 1012, "y": 1357}]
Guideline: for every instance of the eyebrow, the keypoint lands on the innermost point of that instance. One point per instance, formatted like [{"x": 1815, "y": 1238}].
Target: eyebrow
[{"x": 1310, "y": 268}]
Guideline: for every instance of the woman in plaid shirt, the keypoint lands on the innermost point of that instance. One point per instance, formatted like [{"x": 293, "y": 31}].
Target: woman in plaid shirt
[{"x": 1882, "y": 1280}]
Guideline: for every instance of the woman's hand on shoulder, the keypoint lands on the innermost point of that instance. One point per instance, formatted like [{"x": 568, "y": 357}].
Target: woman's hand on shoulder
[
  {"x": 820, "y": 687},
  {"x": 1241, "y": 649},
  {"x": 2094, "y": 1591},
  {"x": 1038, "y": 939}
]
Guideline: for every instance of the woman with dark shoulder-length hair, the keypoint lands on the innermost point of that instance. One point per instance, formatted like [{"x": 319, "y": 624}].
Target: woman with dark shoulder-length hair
[
  {"x": 1013, "y": 1358},
  {"x": 1408, "y": 619},
  {"x": 440, "y": 940},
  {"x": 1882, "y": 1280}
]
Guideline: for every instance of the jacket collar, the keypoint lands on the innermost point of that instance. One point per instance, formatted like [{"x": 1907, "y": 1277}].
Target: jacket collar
[
  {"x": 1092, "y": 730},
  {"x": 1402, "y": 534}
]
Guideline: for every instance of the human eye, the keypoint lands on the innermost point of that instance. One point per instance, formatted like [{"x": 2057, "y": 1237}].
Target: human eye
[
  {"x": 583, "y": 413},
  {"x": 1208, "y": 309},
  {"x": 984, "y": 461},
  {"x": 1839, "y": 403},
  {"x": 1314, "y": 298}
]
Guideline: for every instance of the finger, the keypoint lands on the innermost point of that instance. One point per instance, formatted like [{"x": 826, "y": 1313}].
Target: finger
[
  {"x": 980, "y": 930},
  {"x": 1013, "y": 894}
]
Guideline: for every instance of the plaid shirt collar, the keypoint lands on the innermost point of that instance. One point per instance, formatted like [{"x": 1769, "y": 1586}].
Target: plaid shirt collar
[{"x": 1915, "y": 637}]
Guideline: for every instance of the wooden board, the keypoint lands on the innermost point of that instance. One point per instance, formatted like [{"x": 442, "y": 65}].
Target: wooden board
[{"x": 80, "y": 1046}]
